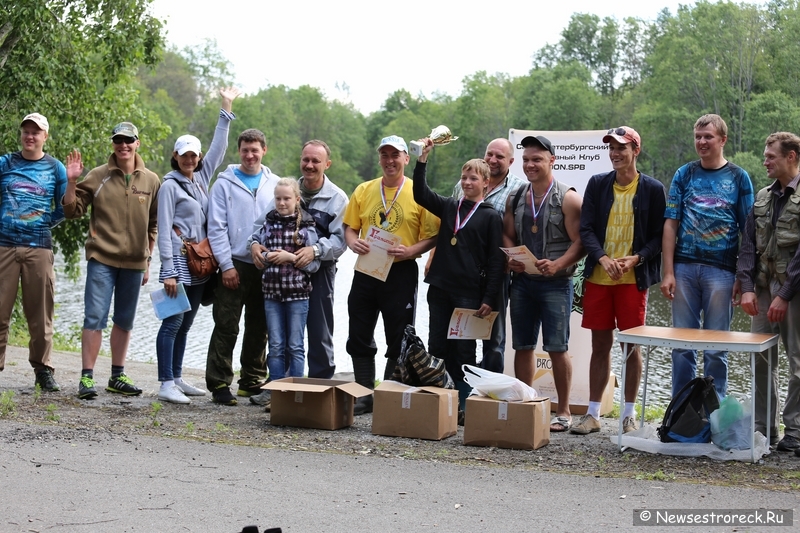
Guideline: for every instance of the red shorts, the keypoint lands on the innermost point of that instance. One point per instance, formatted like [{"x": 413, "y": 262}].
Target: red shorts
[{"x": 613, "y": 306}]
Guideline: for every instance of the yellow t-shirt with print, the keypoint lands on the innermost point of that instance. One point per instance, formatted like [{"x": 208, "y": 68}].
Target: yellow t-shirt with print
[
  {"x": 407, "y": 219},
  {"x": 619, "y": 234}
]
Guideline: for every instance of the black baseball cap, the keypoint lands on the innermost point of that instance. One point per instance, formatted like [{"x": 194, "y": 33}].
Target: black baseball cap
[{"x": 538, "y": 141}]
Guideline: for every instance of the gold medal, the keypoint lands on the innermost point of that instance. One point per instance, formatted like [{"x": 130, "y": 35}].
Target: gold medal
[
  {"x": 535, "y": 228},
  {"x": 453, "y": 241}
]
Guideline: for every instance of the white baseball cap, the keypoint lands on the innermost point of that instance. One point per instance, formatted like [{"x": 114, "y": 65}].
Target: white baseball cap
[
  {"x": 187, "y": 143},
  {"x": 37, "y": 119}
]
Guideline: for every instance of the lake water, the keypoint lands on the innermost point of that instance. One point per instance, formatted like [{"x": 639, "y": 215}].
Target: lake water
[{"x": 69, "y": 315}]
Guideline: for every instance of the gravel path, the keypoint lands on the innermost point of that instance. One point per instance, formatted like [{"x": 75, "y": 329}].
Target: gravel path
[{"x": 61, "y": 416}]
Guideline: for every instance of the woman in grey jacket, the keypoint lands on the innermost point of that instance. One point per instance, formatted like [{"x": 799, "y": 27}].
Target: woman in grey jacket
[{"x": 182, "y": 210}]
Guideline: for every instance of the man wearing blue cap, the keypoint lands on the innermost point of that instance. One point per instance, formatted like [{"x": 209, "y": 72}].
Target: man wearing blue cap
[{"x": 387, "y": 203}]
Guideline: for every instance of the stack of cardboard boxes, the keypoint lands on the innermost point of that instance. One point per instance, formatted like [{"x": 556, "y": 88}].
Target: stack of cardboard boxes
[{"x": 413, "y": 412}]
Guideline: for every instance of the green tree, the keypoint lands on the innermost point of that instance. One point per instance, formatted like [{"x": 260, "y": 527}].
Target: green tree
[{"x": 73, "y": 61}]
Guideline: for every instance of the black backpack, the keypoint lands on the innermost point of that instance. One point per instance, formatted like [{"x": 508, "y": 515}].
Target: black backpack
[{"x": 687, "y": 416}]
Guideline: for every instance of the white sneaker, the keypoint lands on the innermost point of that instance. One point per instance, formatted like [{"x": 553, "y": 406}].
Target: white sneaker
[
  {"x": 173, "y": 394},
  {"x": 189, "y": 389}
]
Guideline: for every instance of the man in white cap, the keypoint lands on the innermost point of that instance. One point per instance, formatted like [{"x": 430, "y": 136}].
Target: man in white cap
[
  {"x": 122, "y": 231},
  {"x": 387, "y": 203},
  {"x": 33, "y": 184}
]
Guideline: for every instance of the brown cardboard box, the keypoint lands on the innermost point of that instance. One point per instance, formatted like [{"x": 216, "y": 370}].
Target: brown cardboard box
[
  {"x": 515, "y": 425},
  {"x": 606, "y": 404},
  {"x": 313, "y": 403},
  {"x": 416, "y": 412}
]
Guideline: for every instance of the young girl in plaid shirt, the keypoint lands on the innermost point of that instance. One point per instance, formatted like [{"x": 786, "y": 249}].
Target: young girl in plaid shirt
[{"x": 287, "y": 228}]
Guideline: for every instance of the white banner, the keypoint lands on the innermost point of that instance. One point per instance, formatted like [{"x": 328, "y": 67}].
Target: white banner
[{"x": 579, "y": 155}]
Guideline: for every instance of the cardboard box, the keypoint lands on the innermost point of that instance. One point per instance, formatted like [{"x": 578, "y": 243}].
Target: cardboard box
[
  {"x": 416, "y": 412},
  {"x": 545, "y": 385},
  {"x": 313, "y": 403},
  {"x": 515, "y": 425}
]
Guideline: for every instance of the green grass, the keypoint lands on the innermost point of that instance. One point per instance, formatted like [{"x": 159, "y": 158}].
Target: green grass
[
  {"x": 52, "y": 416},
  {"x": 652, "y": 412},
  {"x": 658, "y": 475},
  {"x": 155, "y": 408},
  {"x": 8, "y": 406}
]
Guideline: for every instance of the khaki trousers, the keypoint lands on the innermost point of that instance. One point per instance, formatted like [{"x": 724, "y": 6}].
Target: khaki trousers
[{"x": 33, "y": 267}]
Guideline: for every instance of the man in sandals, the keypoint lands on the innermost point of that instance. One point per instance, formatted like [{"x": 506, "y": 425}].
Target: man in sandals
[
  {"x": 544, "y": 216},
  {"x": 622, "y": 219}
]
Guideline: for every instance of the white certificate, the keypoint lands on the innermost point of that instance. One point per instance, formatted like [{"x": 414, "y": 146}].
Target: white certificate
[
  {"x": 524, "y": 256},
  {"x": 465, "y": 325},
  {"x": 377, "y": 261}
]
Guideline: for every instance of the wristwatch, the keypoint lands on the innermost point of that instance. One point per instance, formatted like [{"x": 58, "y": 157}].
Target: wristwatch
[
  {"x": 641, "y": 260},
  {"x": 316, "y": 249}
]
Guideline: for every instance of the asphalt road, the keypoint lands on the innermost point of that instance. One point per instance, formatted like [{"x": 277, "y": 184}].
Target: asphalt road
[{"x": 165, "y": 484}]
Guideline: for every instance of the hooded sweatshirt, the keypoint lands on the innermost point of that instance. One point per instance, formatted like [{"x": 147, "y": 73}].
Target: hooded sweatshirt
[
  {"x": 183, "y": 204},
  {"x": 232, "y": 211}
]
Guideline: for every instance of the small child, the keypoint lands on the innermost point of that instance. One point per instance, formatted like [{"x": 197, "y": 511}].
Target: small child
[{"x": 286, "y": 230}]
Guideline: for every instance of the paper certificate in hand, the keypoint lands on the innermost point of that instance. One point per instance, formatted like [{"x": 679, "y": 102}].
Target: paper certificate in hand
[
  {"x": 377, "y": 262},
  {"x": 524, "y": 256},
  {"x": 465, "y": 325}
]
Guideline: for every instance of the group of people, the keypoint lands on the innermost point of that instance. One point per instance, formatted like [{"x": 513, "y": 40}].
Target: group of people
[{"x": 277, "y": 241}]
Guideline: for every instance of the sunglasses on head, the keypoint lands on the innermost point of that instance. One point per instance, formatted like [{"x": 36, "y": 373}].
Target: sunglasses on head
[
  {"x": 123, "y": 140},
  {"x": 622, "y": 132}
]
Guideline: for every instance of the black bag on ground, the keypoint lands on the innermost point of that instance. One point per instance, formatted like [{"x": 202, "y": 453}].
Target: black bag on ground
[
  {"x": 415, "y": 366},
  {"x": 687, "y": 416}
]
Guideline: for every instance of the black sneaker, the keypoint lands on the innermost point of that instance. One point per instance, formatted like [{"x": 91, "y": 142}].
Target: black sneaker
[
  {"x": 122, "y": 384},
  {"x": 223, "y": 396},
  {"x": 363, "y": 405},
  {"x": 788, "y": 443},
  {"x": 86, "y": 390},
  {"x": 46, "y": 381},
  {"x": 250, "y": 390}
]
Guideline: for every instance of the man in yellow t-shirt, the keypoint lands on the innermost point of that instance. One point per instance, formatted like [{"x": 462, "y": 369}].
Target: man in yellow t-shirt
[
  {"x": 621, "y": 224},
  {"x": 387, "y": 203}
]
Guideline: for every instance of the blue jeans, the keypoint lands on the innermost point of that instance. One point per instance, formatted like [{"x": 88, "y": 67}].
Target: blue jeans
[
  {"x": 708, "y": 289},
  {"x": 286, "y": 323},
  {"x": 545, "y": 302},
  {"x": 101, "y": 282},
  {"x": 171, "y": 338}
]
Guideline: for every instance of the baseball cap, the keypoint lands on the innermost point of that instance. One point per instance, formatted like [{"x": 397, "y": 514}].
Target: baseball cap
[
  {"x": 125, "y": 128},
  {"x": 39, "y": 120},
  {"x": 394, "y": 140},
  {"x": 187, "y": 143},
  {"x": 538, "y": 141},
  {"x": 623, "y": 135}
]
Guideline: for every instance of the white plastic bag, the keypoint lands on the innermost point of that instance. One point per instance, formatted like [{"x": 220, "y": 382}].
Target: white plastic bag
[{"x": 497, "y": 386}]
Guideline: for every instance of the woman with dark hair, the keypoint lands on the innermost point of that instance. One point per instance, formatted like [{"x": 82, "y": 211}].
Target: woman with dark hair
[
  {"x": 467, "y": 269},
  {"x": 182, "y": 210}
]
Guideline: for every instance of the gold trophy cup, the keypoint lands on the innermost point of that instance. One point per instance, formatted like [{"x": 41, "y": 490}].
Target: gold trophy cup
[{"x": 440, "y": 135}]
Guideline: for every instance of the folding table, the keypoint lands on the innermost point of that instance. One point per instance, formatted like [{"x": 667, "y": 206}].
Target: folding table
[{"x": 700, "y": 339}]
